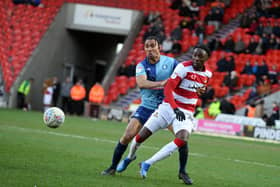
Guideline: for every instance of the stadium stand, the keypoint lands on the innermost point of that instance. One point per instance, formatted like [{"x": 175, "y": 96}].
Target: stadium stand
[{"x": 25, "y": 25}]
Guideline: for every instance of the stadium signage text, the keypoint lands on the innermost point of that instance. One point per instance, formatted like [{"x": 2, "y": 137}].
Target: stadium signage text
[
  {"x": 267, "y": 133},
  {"x": 218, "y": 127},
  {"x": 104, "y": 17}
]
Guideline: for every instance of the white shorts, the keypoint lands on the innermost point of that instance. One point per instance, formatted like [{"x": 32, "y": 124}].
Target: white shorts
[{"x": 165, "y": 116}]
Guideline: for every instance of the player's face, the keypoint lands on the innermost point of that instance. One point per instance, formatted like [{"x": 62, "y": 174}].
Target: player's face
[
  {"x": 152, "y": 50},
  {"x": 199, "y": 57}
]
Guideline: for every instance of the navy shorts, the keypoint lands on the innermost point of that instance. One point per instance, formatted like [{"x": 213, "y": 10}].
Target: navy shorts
[{"x": 142, "y": 114}]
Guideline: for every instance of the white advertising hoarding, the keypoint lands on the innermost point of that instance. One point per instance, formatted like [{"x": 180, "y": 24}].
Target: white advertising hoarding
[
  {"x": 95, "y": 16},
  {"x": 242, "y": 120}
]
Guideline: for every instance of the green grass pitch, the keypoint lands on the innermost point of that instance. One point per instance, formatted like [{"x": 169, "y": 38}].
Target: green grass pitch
[{"x": 32, "y": 154}]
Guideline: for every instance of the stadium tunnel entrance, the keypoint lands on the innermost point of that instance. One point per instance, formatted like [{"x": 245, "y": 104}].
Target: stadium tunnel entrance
[{"x": 95, "y": 52}]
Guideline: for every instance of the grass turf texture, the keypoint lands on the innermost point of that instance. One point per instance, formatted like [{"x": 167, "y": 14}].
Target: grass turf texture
[{"x": 76, "y": 153}]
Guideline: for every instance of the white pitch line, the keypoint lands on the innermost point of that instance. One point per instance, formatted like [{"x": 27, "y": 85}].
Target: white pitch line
[{"x": 146, "y": 147}]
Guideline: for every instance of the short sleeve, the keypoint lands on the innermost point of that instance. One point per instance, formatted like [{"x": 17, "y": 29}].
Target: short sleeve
[
  {"x": 140, "y": 70},
  {"x": 179, "y": 72}
]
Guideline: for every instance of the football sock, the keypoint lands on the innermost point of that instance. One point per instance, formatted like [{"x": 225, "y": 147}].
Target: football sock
[
  {"x": 165, "y": 151},
  {"x": 183, "y": 157},
  {"x": 133, "y": 148},
  {"x": 119, "y": 150}
]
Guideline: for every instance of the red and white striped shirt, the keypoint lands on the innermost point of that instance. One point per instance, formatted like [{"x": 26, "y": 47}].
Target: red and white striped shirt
[{"x": 180, "y": 90}]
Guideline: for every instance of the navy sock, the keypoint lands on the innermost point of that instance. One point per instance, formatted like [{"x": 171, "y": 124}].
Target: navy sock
[
  {"x": 119, "y": 150},
  {"x": 183, "y": 157}
]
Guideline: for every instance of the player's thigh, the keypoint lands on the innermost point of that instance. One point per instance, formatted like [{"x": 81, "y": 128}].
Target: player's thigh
[
  {"x": 183, "y": 129},
  {"x": 131, "y": 130},
  {"x": 156, "y": 122}
]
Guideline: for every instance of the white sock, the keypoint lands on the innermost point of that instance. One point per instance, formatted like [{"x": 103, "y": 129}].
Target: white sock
[
  {"x": 133, "y": 148},
  {"x": 165, "y": 151}
]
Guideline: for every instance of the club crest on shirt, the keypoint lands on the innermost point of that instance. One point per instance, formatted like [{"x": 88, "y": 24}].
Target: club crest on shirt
[
  {"x": 139, "y": 69},
  {"x": 173, "y": 76},
  {"x": 164, "y": 67}
]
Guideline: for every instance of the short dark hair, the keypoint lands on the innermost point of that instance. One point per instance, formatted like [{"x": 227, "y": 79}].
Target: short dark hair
[
  {"x": 152, "y": 37},
  {"x": 204, "y": 47}
]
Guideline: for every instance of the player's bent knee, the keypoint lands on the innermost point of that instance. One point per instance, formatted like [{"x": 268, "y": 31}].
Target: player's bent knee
[
  {"x": 127, "y": 137},
  {"x": 179, "y": 142}
]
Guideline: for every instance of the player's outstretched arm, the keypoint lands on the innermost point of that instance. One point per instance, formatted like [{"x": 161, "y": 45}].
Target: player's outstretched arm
[{"x": 142, "y": 82}]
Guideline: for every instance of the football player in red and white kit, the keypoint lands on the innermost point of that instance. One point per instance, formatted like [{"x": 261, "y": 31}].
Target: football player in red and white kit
[{"x": 182, "y": 91}]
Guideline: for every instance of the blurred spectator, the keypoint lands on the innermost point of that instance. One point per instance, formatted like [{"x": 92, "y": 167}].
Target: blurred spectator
[
  {"x": 152, "y": 16},
  {"x": 229, "y": 44},
  {"x": 222, "y": 64},
  {"x": 207, "y": 96},
  {"x": 214, "y": 108},
  {"x": 31, "y": 2},
  {"x": 200, "y": 31},
  {"x": 216, "y": 19},
  {"x": 176, "y": 34},
  {"x": 250, "y": 110},
  {"x": 274, "y": 116},
  {"x": 65, "y": 95},
  {"x": 271, "y": 43},
  {"x": 167, "y": 45},
  {"x": 78, "y": 94},
  {"x": 199, "y": 113},
  {"x": 245, "y": 20},
  {"x": 175, "y": 4},
  {"x": 252, "y": 46},
  {"x": 259, "y": 113},
  {"x": 275, "y": 110},
  {"x": 47, "y": 94},
  {"x": 208, "y": 18},
  {"x": 247, "y": 68},
  {"x": 56, "y": 91},
  {"x": 255, "y": 68},
  {"x": 187, "y": 23},
  {"x": 227, "y": 107},
  {"x": 123, "y": 70},
  {"x": 276, "y": 29},
  {"x": 23, "y": 92},
  {"x": 273, "y": 74},
  {"x": 274, "y": 11},
  {"x": 230, "y": 80},
  {"x": 263, "y": 68},
  {"x": 253, "y": 27},
  {"x": 239, "y": 46},
  {"x": 161, "y": 36},
  {"x": 264, "y": 85},
  {"x": 260, "y": 48},
  {"x": 227, "y": 2},
  {"x": 217, "y": 4},
  {"x": 267, "y": 29},
  {"x": 184, "y": 10},
  {"x": 131, "y": 69},
  {"x": 215, "y": 44},
  {"x": 230, "y": 63},
  {"x": 253, "y": 93},
  {"x": 194, "y": 9},
  {"x": 201, "y": 2},
  {"x": 260, "y": 29},
  {"x": 176, "y": 48},
  {"x": 277, "y": 44}
]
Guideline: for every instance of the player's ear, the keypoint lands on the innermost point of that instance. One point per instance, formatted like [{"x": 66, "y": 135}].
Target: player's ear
[{"x": 159, "y": 46}]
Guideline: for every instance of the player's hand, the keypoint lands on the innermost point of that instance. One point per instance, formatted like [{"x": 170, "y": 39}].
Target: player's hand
[
  {"x": 179, "y": 114},
  {"x": 163, "y": 83},
  {"x": 201, "y": 90}
]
